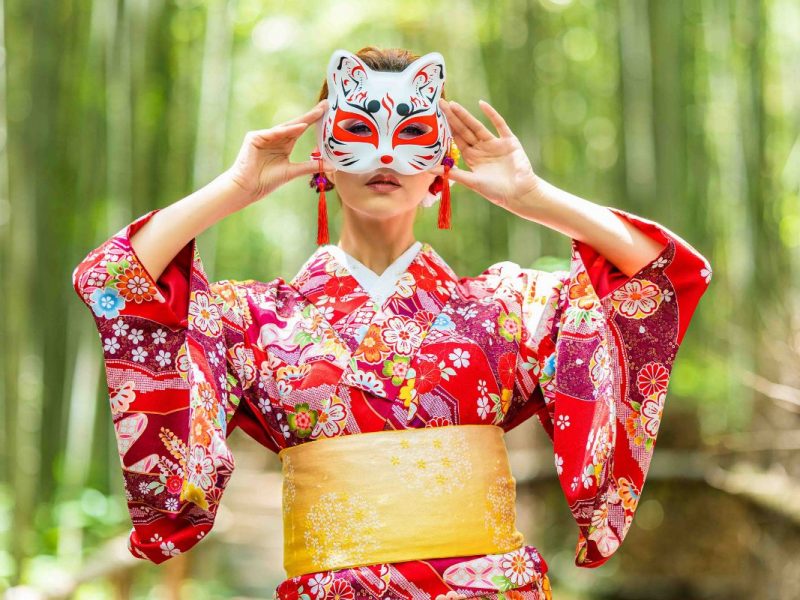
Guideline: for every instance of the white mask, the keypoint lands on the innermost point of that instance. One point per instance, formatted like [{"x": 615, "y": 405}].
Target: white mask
[{"x": 379, "y": 119}]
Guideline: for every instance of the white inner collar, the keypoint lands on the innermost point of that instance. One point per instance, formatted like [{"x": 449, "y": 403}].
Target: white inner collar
[{"x": 379, "y": 287}]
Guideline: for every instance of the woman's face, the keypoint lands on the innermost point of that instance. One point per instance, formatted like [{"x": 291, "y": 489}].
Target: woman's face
[{"x": 382, "y": 201}]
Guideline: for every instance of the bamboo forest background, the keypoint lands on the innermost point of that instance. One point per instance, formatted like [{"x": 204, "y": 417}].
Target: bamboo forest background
[{"x": 685, "y": 112}]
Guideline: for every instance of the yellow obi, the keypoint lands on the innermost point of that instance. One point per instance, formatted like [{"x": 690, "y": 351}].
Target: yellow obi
[{"x": 397, "y": 495}]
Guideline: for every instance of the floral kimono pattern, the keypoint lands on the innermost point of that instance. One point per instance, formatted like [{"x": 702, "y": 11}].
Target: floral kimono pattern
[{"x": 588, "y": 351}]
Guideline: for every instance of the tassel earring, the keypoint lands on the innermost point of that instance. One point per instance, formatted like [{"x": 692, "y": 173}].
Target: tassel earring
[
  {"x": 444, "y": 204},
  {"x": 321, "y": 184}
]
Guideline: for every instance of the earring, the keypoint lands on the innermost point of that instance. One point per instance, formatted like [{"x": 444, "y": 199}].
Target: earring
[
  {"x": 321, "y": 184},
  {"x": 441, "y": 184}
]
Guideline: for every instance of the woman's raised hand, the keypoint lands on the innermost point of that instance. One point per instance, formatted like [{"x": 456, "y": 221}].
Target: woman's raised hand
[
  {"x": 500, "y": 170},
  {"x": 263, "y": 165}
]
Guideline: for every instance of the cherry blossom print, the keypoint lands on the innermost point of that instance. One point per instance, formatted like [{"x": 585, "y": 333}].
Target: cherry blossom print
[
  {"x": 204, "y": 315},
  {"x": 637, "y": 299},
  {"x": 652, "y": 409},
  {"x": 295, "y": 361},
  {"x": 122, "y": 397},
  {"x": 460, "y": 358},
  {"x": 402, "y": 334},
  {"x": 331, "y": 419}
]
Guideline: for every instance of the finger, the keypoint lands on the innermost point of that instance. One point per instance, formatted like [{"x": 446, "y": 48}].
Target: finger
[
  {"x": 279, "y": 133},
  {"x": 496, "y": 118},
  {"x": 459, "y": 128},
  {"x": 477, "y": 128},
  {"x": 468, "y": 178},
  {"x": 302, "y": 168}
]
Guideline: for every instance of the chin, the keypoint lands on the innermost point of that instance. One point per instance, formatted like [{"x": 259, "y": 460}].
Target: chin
[{"x": 382, "y": 206}]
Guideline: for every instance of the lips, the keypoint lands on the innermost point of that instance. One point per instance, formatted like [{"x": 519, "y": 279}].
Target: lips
[{"x": 384, "y": 178}]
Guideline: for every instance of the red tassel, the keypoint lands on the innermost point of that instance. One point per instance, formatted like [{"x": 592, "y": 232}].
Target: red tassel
[
  {"x": 322, "y": 219},
  {"x": 444, "y": 203},
  {"x": 321, "y": 183}
]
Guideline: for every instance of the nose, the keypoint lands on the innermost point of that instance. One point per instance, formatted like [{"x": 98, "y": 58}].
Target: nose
[{"x": 386, "y": 159}]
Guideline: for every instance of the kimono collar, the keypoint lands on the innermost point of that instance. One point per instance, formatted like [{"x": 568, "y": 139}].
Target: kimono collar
[
  {"x": 379, "y": 286},
  {"x": 328, "y": 283}
]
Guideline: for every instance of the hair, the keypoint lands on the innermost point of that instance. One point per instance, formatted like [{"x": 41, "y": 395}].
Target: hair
[{"x": 392, "y": 60}]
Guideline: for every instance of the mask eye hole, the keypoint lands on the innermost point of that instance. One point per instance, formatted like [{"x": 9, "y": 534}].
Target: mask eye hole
[
  {"x": 414, "y": 130},
  {"x": 356, "y": 127}
]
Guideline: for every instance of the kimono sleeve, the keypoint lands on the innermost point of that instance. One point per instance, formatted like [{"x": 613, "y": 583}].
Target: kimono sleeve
[
  {"x": 602, "y": 346},
  {"x": 176, "y": 363}
]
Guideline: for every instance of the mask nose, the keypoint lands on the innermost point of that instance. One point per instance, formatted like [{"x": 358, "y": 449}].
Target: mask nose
[{"x": 386, "y": 159}]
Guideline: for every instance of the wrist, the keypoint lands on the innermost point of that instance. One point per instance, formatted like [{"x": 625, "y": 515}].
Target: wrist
[
  {"x": 531, "y": 201},
  {"x": 236, "y": 191}
]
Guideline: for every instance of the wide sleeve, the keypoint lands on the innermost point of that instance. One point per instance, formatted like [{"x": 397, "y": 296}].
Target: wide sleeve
[
  {"x": 600, "y": 347},
  {"x": 176, "y": 362}
]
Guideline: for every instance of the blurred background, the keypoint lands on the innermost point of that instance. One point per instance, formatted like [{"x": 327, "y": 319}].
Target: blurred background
[{"x": 684, "y": 112}]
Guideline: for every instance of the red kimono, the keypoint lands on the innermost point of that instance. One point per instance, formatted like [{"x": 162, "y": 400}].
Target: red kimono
[{"x": 587, "y": 351}]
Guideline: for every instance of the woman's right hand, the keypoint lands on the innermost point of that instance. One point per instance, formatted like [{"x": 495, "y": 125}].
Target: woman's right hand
[{"x": 263, "y": 165}]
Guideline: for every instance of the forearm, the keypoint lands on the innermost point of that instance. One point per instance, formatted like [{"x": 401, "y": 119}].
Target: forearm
[
  {"x": 171, "y": 228},
  {"x": 620, "y": 242}
]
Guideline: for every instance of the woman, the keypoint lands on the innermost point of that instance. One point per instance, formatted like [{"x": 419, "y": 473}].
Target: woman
[{"x": 376, "y": 335}]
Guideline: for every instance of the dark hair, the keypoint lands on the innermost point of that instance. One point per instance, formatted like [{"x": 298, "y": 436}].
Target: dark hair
[{"x": 381, "y": 59}]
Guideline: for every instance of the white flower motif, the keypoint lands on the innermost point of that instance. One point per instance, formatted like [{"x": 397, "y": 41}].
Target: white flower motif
[
  {"x": 159, "y": 336},
  {"x": 264, "y": 405},
  {"x": 488, "y": 325},
  {"x": 120, "y": 328},
  {"x": 574, "y": 485},
  {"x": 517, "y": 566},
  {"x": 586, "y": 479},
  {"x": 482, "y": 388},
  {"x": 460, "y": 357},
  {"x": 559, "y": 464},
  {"x": 562, "y": 421},
  {"x": 136, "y": 336},
  {"x": 661, "y": 262},
  {"x": 169, "y": 549},
  {"x": 467, "y": 312},
  {"x": 483, "y": 407},
  {"x": 143, "y": 487},
  {"x": 171, "y": 504},
  {"x": 111, "y": 345},
  {"x": 138, "y": 354},
  {"x": 163, "y": 357}
]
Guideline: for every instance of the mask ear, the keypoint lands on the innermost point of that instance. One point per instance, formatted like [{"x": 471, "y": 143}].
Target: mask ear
[
  {"x": 346, "y": 72},
  {"x": 426, "y": 77}
]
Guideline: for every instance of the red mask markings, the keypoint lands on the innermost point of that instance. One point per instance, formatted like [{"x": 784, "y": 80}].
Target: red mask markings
[
  {"x": 341, "y": 134},
  {"x": 425, "y": 139}
]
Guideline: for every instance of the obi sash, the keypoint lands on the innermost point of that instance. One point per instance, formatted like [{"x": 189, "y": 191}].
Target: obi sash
[{"x": 397, "y": 495}]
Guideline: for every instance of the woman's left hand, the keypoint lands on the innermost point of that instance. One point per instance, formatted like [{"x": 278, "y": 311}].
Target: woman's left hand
[{"x": 500, "y": 170}]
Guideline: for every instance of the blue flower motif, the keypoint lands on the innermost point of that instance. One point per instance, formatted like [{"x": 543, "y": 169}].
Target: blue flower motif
[
  {"x": 550, "y": 365},
  {"x": 106, "y": 302},
  {"x": 443, "y": 321},
  {"x": 360, "y": 333},
  {"x": 222, "y": 419}
]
